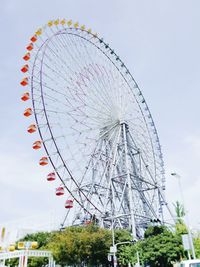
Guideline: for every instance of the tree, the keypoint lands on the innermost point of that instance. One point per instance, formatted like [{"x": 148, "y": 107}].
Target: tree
[
  {"x": 180, "y": 226},
  {"x": 197, "y": 246},
  {"x": 154, "y": 230},
  {"x": 122, "y": 235},
  {"x": 41, "y": 237},
  {"x": 79, "y": 245},
  {"x": 180, "y": 212},
  {"x": 160, "y": 247}
]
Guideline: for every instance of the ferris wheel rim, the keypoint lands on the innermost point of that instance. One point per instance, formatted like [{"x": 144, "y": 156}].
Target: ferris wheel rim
[
  {"x": 144, "y": 117},
  {"x": 137, "y": 95}
]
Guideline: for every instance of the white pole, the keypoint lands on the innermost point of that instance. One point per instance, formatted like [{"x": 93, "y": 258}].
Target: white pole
[
  {"x": 130, "y": 194},
  {"x": 138, "y": 258},
  {"x": 189, "y": 257},
  {"x": 186, "y": 215},
  {"x": 20, "y": 261},
  {"x": 113, "y": 243}
]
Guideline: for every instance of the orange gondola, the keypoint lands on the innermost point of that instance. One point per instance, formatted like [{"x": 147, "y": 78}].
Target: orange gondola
[
  {"x": 24, "y": 81},
  {"x": 51, "y": 176},
  {"x": 69, "y": 204},
  {"x": 33, "y": 38},
  {"x": 43, "y": 161},
  {"x": 60, "y": 191},
  {"x": 37, "y": 145},
  {"x": 24, "y": 68},
  {"x": 29, "y": 47},
  {"x": 28, "y": 112},
  {"x": 25, "y": 96},
  {"x": 27, "y": 56},
  {"x": 32, "y": 128}
]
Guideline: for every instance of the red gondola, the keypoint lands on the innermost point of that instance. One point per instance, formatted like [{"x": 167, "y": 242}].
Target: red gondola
[
  {"x": 27, "y": 56},
  {"x": 37, "y": 145},
  {"x": 25, "y": 96},
  {"x": 60, "y": 191},
  {"x": 43, "y": 161},
  {"x": 69, "y": 204},
  {"x": 24, "y": 81},
  {"x": 32, "y": 128},
  {"x": 51, "y": 176},
  {"x": 28, "y": 112},
  {"x": 29, "y": 47},
  {"x": 24, "y": 68},
  {"x": 33, "y": 38}
]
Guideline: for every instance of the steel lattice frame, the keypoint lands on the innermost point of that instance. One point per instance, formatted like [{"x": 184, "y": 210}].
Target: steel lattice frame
[{"x": 96, "y": 128}]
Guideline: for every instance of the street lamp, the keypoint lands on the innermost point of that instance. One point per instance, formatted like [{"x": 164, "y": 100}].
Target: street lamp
[
  {"x": 113, "y": 248},
  {"x": 114, "y": 251},
  {"x": 186, "y": 213}
]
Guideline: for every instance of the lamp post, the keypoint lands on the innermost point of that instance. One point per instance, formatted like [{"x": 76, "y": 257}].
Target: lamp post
[
  {"x": 186, "y": 213},
  {"x": 113, "y": 250}
]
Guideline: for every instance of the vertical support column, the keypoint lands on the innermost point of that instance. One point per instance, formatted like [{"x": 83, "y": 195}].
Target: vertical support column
[
  {"x": 23, "y": 260},
  {"x": 110, "y": 175},
  {"x": 127, "y": 164},
  {"x": 114, "y": 260},
  {"x": 51, "y": 262},
  {"x": 20, "y": 261}
]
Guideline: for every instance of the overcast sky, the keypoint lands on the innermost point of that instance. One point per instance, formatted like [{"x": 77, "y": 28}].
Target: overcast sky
[{"x": 159, "y": 41}]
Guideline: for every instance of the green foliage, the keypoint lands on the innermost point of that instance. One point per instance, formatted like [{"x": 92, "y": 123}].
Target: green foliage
[
  {"x": 154, "y": 230},
  {"x": 197, "y": 246},
  {"x": 180, "y": 212},
  {"x": 122, "y": 235},
  {"x": 77, "y": 245},
  {"x": 37, "y": 262},
  {"x": 180, "y": 226},
  {"x": 181, "y": 229},
  {"x": 41, "y": 237},
  {"x": 128, "y": 253},
  {"x": 89, "y": 245},
  {"x": 160, "y": 247}
]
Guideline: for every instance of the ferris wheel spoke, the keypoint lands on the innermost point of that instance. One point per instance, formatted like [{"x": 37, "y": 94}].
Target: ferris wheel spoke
[
  {"x": 60, "y": 93},
  {"x": 98, "y": 77},
  {"x": 54, "y": 72},
  {"x": 96, "y": 162},
  {"x": 60, "y": 74},
  {"x": 89, "y": 56},
  {"x": 96, "y": 127}
]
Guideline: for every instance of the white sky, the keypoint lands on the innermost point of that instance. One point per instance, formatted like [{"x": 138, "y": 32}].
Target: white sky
[{"x": 159, "y": 41}]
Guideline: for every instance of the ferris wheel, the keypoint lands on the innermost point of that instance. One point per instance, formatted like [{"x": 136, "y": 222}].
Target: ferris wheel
[{"x": 95, "y": 128}]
